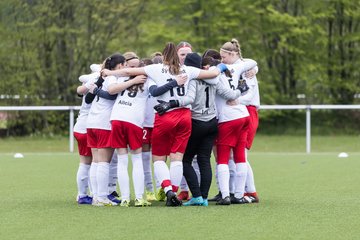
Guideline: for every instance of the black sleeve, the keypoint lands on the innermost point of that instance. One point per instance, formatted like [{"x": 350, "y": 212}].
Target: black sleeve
[
  {"x": 104, "y": 94},
  {"x": 89, "y": 98},
  {"x": 157, "y": 91}
]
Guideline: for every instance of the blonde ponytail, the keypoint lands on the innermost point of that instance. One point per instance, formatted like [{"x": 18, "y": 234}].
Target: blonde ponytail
[{"x": 232, "y": 46}]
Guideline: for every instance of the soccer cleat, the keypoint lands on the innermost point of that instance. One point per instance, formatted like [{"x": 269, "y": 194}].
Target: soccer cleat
[
  {"x": 242, "y": 200},
  {"x": 184, "y": 195},
  {"x": 216, "y": 198},
  {"x": 197, "y": 201},
  {"x": 114, "y": 197},
  {"x": 125, "y": 203},
  {"x": 205, "y": 203},
  {"x": 253, "y": 197},
  {"x": 150, "y": 196},
  {"x": 160, "y": 195},
  {"x": 172, "y": 200},
  {"x": 101, "y": 202},
  {"x": 115, "y": 194},
  {"x": 85, "y": 200},
  {"x": 142, "y": 203},
  {"x": 224, "y": 201}
]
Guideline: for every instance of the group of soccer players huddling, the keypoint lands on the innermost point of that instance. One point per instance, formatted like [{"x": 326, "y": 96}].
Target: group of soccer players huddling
[{"x": 175, "y": 106}]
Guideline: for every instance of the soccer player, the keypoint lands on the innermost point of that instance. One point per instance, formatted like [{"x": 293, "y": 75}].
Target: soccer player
[
  {"x": 233, "y": 124},
  {"x": 82, "y": 176},
  {"x": 201, "y": 96},
  {"x": 98, "y": 130},
  {"x": 252, "y": 102},
  {"x": 183, "y": 49},
  {"x": 171, "y": 132},
  {"x": 127, "y": 118}
]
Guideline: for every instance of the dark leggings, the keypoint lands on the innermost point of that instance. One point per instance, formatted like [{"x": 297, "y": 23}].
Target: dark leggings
[{"x": 200, "y": 143}]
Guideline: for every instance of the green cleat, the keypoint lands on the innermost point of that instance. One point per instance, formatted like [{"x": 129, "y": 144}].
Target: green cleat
[
  {"x": 150, "y": 196},
  {"x": 160, "y": 195},
  {"x": 125, "y": 203},
  {"x": 102, "y": 202},
  {"x": 142, "y": 203}
]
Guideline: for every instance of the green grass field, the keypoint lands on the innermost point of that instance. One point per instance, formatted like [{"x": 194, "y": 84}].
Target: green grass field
[{"x": 303, "y": 196}]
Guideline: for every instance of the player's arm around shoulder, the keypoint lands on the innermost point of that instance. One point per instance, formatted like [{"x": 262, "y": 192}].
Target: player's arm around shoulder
[
  {"x": 224, "y": 91},
  {"x": 117, "y": 87},
  {"x": 190, "y": 96}
]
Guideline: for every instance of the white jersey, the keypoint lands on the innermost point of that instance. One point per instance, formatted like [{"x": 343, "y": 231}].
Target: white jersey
[
  {"x": 80, "y": 125},
  {"x": 100, "y": 111},
  {"x": 149, "y": 112},
  {"x": 159, "y": 75},
  {"x": 252, "y": 97},
  {"x": 130, "y": 106},
  {"x": 226, "y": 112}
]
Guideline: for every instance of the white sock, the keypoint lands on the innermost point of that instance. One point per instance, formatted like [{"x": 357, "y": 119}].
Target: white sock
[
  {"x": 93, "y": 179},
  {"x": 176, "y": 173},
  {"x": 223, "y": 175},
  {"x": 250, "y": 182},
  {"x": 148, "y": 181},
  {"x": 162, "y": 173},
  {"x": 240, "y": 178},
  {"x": 232, "y": 171},
  {"x": 195, "y": 165},
  {"x": 157, "y": 182},
  {"x": 138, "y": 175},
  {"x": 123, "y": 176},
  {"x": 102, "y": 175},
  {"x": 113, "y": 173},
  {"x": 183, "y": 184},
  {"x": 82, "y": 179}
]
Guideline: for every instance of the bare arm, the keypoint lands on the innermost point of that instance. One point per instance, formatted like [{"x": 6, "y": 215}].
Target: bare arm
[
  {"x": 209, "y": 74},
  {"x": 124, "y": 72},
  {"x": 81, "y": 90},
  {"x": 118, "y": 87}
]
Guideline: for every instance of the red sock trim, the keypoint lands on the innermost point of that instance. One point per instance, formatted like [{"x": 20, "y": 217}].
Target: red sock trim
[
  {"x": 165, "y": 183},
  {"x": 175, "y": 188}
]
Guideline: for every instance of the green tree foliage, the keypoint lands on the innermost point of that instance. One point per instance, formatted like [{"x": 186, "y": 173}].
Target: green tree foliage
[{"x": 307, "y": 51}]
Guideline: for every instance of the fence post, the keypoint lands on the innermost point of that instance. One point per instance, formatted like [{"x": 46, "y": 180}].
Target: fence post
[
  {"x": 308, "y": 129},
  {"x": 71, "y": 130}
]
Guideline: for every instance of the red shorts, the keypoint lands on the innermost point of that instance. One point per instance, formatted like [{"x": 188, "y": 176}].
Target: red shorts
[
  {"x": 232, "y": 135},
  {"x": 83, "y": 149},
  {"x": 171, "y": 132},
  {"x": 147, "y": 132},
  {"x": 253, "y": 125},
  {"x": 98, "y": 138},
  {"x": 124, "y": 134}
]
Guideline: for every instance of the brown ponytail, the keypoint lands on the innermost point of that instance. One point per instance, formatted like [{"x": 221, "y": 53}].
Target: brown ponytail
[{"x": 171, "y": 58}]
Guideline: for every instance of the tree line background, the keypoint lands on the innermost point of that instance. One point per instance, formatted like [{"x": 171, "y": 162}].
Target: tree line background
[{"x": 307, "y": 51}]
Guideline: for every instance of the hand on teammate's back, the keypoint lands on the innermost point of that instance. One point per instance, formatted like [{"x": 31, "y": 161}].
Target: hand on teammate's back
[
  {"x": 139, "y": 79},
  {"x": 232, "y": 102},
  {"x": 250, "y": 73},
  {"x": 181, "y": 79},
  {"x": 105, "y": 72},
  {"x": 222, "y": 67},
  {"x": 163, "y": 106},
  {"x": 242, "y": 86}
]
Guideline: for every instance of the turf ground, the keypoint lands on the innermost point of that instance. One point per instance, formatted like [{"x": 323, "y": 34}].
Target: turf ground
[{"x": 303, "y": 196}]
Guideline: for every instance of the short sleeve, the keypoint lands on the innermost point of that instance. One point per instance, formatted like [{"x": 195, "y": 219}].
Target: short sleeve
[
  {"x": 152, "y": 69},
  {"x": 192, "y": 72}
]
